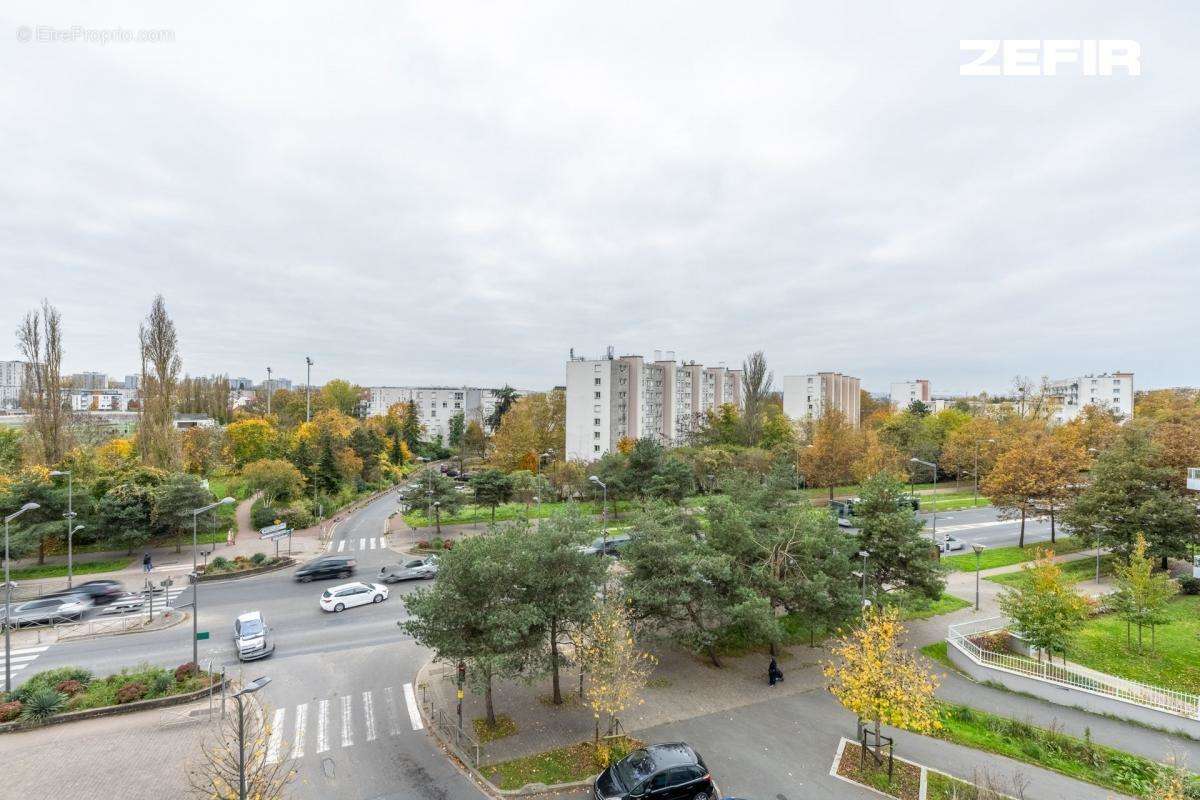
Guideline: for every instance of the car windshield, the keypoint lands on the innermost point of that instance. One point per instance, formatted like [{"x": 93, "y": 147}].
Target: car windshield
[
  {"x": 634, "y": 768},
  {"x": 326, "y": 593},
  {"x": 251, "y": 627}
]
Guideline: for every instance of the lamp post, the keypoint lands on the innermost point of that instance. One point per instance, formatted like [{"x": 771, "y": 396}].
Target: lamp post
[
  {"x": 269, "y": 391},
  {"x": 978, "y": 548},
  {"x": 932, "y": 466},
  {"x": 70, "y": 517},
  {"x": 196, "y": 577},
  {"x": 8, "y": 596},
  {"x": 308, "y": 389},
  {"x": 603, "y": 526},
  {"x": 250, "y": 688},
  {"x": 863, "y": 554}
]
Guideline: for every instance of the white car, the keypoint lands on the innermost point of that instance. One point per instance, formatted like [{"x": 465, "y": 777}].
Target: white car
[
  {"x": 348, "y": 595},
  {"x": 949, "y": 544}
]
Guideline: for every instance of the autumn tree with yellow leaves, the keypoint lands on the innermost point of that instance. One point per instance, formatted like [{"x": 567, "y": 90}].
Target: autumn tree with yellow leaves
[
  {"x": 216, "y": 773},
  {"x": 880, "y": 680},
  {"x": 616, "y": 668}
]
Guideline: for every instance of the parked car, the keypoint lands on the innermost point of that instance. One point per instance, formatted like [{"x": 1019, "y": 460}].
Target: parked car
[
  {"x": 252, "y": 637},
  {"x": 348, "y": 595},
  {"x": 102, "y": 592},
  {"x": 326, "y": 567},
  {"x": 612, "y": 546},
  {"x": 409, "y": 570},
  {"x": 661, "y": 771},
  {"x": 47, "y": 610}
]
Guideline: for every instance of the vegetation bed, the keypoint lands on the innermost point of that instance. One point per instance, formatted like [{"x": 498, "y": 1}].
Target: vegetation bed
[
  {"x": 1006, "y": 556},
  {"x": 576, "y": 762},
  {"x": 904, "y": 784}
]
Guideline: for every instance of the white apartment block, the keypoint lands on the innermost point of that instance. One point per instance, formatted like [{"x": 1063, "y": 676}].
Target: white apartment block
[
  {"x": 1110, "y": 391},
  {"x": 905, "y": 393},
  {"x": 436, "y": 405},
  {"x": 610, "y": 399},
  {"x": 810, "y": 396},
  {"x": 12, "y": 378},
  {"x": 80, "y": 400}
]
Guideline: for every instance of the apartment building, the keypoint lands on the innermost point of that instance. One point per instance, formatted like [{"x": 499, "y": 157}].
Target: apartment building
[
  {"x": 89, "y": 381},
  {"x": 12, "y": 378},
  {"x": 612, "y": 398},
  {"x": 905, "y": 393},
  {"x": 436, "y": 405},
  {"x": 1111, "y": 391},
  {"x": 811, "y": 396}
]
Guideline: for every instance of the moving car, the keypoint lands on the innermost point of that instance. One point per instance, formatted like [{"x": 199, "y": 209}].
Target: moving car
[
  {"x": 348, "y": 595},
  {"x": 252, "y": 637},
  {"x": 662, "y": 772},
  {"x": 409, "y": 570},
  {"x": 613, "y": 546},
  {"x": 949, "y": 543},
  {"x": 102, "y": 592},
  {"x": 47, "y": 610},
  {"x": 327, "y": 567}
]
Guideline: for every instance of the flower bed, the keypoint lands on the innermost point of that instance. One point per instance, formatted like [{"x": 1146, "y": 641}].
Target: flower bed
[{"x": 221, "y": 567}]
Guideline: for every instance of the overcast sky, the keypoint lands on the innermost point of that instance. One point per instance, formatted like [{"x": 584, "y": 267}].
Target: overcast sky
[{"x": 458, "y": 193}]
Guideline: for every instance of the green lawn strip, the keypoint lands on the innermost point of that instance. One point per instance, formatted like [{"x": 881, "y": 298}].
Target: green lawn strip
[
  {"x": 940, "y": 786},
  {"x": 575, "y": 762},
  {"x": 471, "y": 513},
  {"x": 1075, "y": 758},
  {"x": 60, "y": 571},
  {"x": 1005, "y": 556},
  {"x": 1074, "y": 571},
  {"x": 919, "y": 607},
  {"x": 937, "y": 651},
  {"x": 1171, "y": 663}
]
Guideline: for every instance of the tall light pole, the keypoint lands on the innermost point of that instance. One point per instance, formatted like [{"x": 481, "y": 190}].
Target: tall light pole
[
  {"x": 603, "y": 526},
  {"x": 269, "y": 391},
  {"x": 978, "y": 548},
  {"x": 8, "y": 597},
  {"x": 933, "y": 466},
  {"x": 196, "y": 577},
  {"x": 70, "y": 517},
  {"x": 250, "y": 688},
  {"x": 308, "y": 389},
  {"x": 863, "y": 554}
]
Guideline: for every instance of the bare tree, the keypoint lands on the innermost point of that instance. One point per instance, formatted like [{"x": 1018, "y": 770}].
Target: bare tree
[
  {"x": 39, "y": 340},
  {"x": 216, "y": 774},
  {"x": 158, "y": 342},
  {"x": 756, "y": 388}
]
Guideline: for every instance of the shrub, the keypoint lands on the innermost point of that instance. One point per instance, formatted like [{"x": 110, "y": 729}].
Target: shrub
[
  {"x": 41, "y": 704},
  {"x": 436, "y": 544},
  {"x": 1189, "y": 585},
  {"x": 10, "y": 710},
  {"x": 131, "y": 692},
  {"x": 161, "y": 683},
  {"x": 218, "y": 564},
  {"x": 258, "y": 558},
  {"x": 69, "y": 688},
  {"x": 51, "y": 678},
  {"x": 185, "y": 671},
  {"x": 423, "y": 543},
  {"x": 449, "y": 543}
]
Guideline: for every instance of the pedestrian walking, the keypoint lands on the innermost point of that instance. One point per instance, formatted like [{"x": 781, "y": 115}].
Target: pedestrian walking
[
  {"x": 774, "y": 674},
  {"x": 147, "y": 565}
]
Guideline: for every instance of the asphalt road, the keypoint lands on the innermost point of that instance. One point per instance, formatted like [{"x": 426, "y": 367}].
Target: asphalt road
[{"x": 984, "y": 525}]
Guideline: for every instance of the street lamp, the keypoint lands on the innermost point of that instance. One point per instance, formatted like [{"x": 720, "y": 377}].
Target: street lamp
[
  {"x": 268, "y": 391},
  {"x": 308, "y": 389},
  {"x": 932, "y": 465},
  {"x": 195, "y": 576},
  {"x": 8, "y": 597},
  {"x": 250, "y": 688},
  {"x": 978, "y": 548},
  {"x": 603, "y": 524},
  {"x": 70, "y": 517},
  {"x": 863, "y": 554}
]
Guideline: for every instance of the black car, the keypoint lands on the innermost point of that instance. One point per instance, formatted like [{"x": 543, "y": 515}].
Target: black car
[
  {"x": 661, "y": 771},
  {"x": 327, "y": 567},
  {"x": 102, "y": 592},
  {"x": 612, "y": 546}
]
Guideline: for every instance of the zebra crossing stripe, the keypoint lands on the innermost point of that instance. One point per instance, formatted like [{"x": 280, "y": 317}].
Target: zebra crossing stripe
[
  {"x": 362, "y": 544},
  {"x": 341, "y": 545},
  {"x": 383, "y": 542},
  {"x": 393, "y": 713},
  {"x": 301, "y": 728},
  {"x": 347, "y": 727},
  {"x": 371, "y": 542},
  {"x": 369, "y": 715},
  {"x": 322, "y": 726},
  {"x": 276, "y": 735},
  {"x": 410, "y": 698}
]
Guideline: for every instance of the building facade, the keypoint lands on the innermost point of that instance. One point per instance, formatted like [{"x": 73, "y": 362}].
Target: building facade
[
  {"x": 90, "y": 381},
  {"x": 436, "y": 405},
  {"x": 811, "y": 396},
  {"x": 1110, "y": 391},
  {"x": 12, "y": 378},
  {"x": 905, "y": 393},
  {"x": 614, "y": 398}
]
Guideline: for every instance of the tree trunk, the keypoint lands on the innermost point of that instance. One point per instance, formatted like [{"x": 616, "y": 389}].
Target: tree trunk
[
  {"x": 831, "y": 493},
  {"x": 1165, "y": 565},
  {"x": 554, "y": 661},
  {"x": 1021, "y": 541},
  {"x": 773, "y": 653},
  {"x": 1139, "y": 637},
  {"x": 437, "y": 516},
  {"x": 487, "y": 697},
  {"x": 41, "y": 550},
  {"x": 1052, "y": 525},
  {"x": 878, "y": 745},
  {"x": 493, "y": 512},
  {"x": 712, "y": 656}
]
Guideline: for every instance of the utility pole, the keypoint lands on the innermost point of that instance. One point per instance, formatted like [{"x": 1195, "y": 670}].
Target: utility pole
[
  {"x": 70, "y": 515},
  {"x": 8, "y": 597},
  {"x": 308, "y": 362},
  {"x": 269, "y": 391}
]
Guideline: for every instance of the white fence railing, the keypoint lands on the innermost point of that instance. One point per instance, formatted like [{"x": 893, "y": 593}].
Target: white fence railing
[{"x": 1141, "y": 694}]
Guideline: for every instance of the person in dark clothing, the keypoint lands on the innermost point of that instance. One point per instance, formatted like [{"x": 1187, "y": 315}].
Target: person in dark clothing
[
  {"x": 146, "y": 565},
  {"x": 774, "y": 673}
]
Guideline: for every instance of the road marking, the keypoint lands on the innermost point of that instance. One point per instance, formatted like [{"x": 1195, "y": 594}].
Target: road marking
[
  {"x": 276, "y": 736},
  {"x": 341, "y": 545},
  {"x": 371, "y": 541},
  {"x": 347, "y": 727},
  {"x": 383, "y": 542},
  {"x": 362, "y": 545},
  {"x": 22, "y": 657},
  {"x": 369, "y": 715},
  {"x": 322, "y": 726},
  {"x": 411, "y": 700},
  {"x": 301, "y": 726},
  {"x": 970, "y": 526},
  {"x": 393, "y": 714}
]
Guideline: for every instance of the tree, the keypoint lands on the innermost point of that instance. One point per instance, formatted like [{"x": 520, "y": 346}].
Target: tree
[
  {"x": 10, "y": 450},
  {"x": 776, "y": 431},
  {"x": 219, "y": 771},
  {"x": 201, "y": 448},
  {"x": 1018, "y": 479},
  {"x": 1064, "y": 460},
  {"x": 901, "y": 557},
  {"x": 368, "y": 444},
  {"x": 492, "y": 487},
  {"x": 1141, "y": 595},
  {"x": 327, "y": 475},
  {"x": 528, "y": 487},
  {"x": 410, "y": 425},
  {"x": 458, "y": 426},
  {"x": 174, "y": 502},
  {"x": 40, "y": 527},
  {"x": 125, "y": 511},
  {"x": 474, "y": 440},
  {"x": 720, "y": 427},
  {"x": 275, "y": 478},
  {"x": 251, "y": 440},
  {"x": 1044, "y": 608},
  {"x": 39, "y": 341},
  {"x": 205, "y": 395},
  {"x": 833, "y": 447},
  {"x": 1172, "y": 783},
  {"x": 433, "y": 490},
  {"x": 341, "y": 396},
  {"x": 535, "y": 424},
  {"x": 616, "y": 667},
  {"x": 976, "y": 442},
  {"x": 878, "y": 455},
  {"x": 567, "y": 478},
  {"x": 159, "y": 346},
  {"x": 505, "y": 398},
  {"x": 880, "y": 680},
  {"x": 672, "y": 481},
  {"x": 756, "y": 387},
  {"x": 560, "y": 580}
]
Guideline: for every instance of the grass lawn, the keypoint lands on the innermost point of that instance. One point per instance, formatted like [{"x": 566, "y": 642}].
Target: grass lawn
[
  {"x": 471, "y": 513},
  {"x": 937, "y": 651},
  {"x": 915, "y": 607},
  {"x": 1004, "y": 556},
  {"x": 952, "y": 501},
  {"x": 1172, "y": 664},
  {"x": 562, "y": 765},
  {"x": 55, "y": 571},
  {"x": 1074, "y": 571}
]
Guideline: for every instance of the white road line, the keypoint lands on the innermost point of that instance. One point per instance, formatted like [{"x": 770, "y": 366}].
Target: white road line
[
  {"x": 411, "y": 699},
  {"x": 301, "y": 727},
  {"x": 341, "y": 545},
  {"x": 276, "y": 735},
  {"x": 19, "y": 651},
  {"x": 15, "y": 659},
  {"x": 347, "y": 727},
  {"x": 369, "y": 715},
  {"x": 393, "y": 713},
  {"x": 383, "y": 542},
  {"x": 322, "y": 726},
  {"x": 371, "y": 542},
  {"x": 362, "y": 544}
]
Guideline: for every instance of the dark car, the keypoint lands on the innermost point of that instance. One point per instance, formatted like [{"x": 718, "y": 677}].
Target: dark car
[
  {"x": 661, "y": 771},
  {"x": 326, "y": 567},
  {"x": 612, "y": 546},
  {"x": 102, "y": 592}
]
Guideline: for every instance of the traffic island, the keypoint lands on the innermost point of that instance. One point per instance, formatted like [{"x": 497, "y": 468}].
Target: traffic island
[
  {"x": 242, "y": 567},
  {"x": 907, "y": 780}
]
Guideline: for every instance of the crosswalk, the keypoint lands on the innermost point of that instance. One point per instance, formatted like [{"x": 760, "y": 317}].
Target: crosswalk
[
  {"x": 22, "y": 657},
  {"x": 340, "y": 722},
  {"x": 364, "y": 543},
  {"x": 172, "y": 593}
]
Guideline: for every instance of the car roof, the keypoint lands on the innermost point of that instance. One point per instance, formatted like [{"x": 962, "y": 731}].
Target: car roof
[
  {"x": 672, "y": 754},
  {"x": 341, "y": 586},
  {"x": 250, "y": 615}
]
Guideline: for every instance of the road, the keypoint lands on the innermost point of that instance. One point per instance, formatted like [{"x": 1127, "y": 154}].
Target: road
[
  {"x": 984, "y": 526},
  {"x": 339, "y": 697}
]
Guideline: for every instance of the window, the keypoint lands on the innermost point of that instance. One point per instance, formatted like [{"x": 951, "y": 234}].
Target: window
[
  {"x": 597, "y": 421},
  {"x": 596, "y": 395},
  {"x": 596, "y": 435},
  {"x": 597, "y": 381},
  {"x": 595, "y": 448}
]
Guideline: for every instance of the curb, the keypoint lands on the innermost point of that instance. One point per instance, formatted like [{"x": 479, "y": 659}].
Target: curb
[{"x": 283, "y": 563}]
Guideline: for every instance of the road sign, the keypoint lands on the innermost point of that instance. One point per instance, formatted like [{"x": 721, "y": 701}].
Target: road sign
[
  {"x": 279, "y": 526},
  {"x": 201, "y": 635},
  {"x": 276, "y": 534}
]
